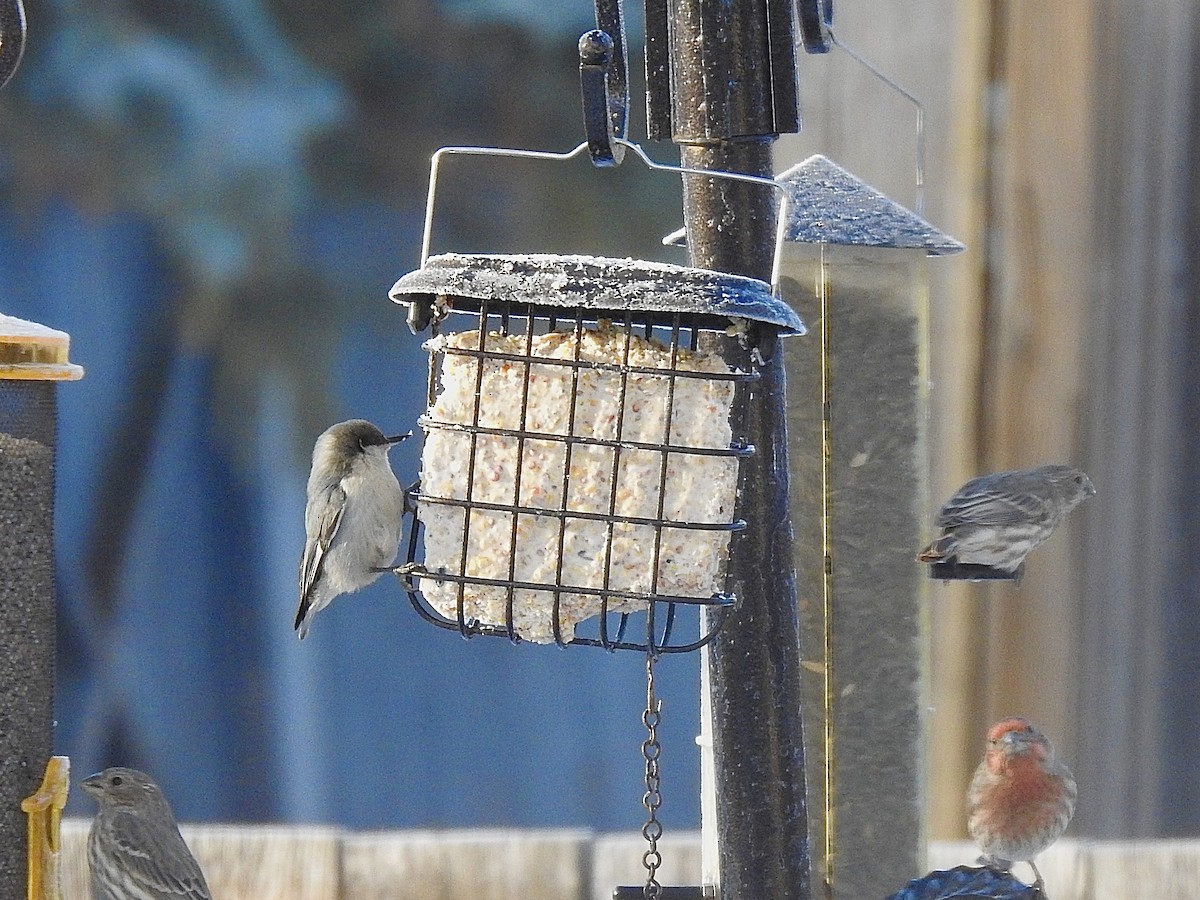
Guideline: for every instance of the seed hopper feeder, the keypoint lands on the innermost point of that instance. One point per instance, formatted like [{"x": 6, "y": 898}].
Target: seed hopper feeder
[
  {"x": 585, "y": 433},
  {"x": 33, "y": 360}
]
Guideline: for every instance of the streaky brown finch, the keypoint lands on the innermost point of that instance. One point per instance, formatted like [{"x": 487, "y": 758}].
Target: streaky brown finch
[
  {"x": 997, "y": 520},
  {"x": 1021, "y": 798},
  {"x": 135, "y": 851}
]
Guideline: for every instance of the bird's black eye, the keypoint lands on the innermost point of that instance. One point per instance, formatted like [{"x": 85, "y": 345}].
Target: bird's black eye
[
  {"x": 1079, "y": 479},
  {"x": 117, "y": 781}
]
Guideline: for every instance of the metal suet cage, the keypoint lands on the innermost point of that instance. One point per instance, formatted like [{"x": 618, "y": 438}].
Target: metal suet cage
[{"x": 581, "y": 444}]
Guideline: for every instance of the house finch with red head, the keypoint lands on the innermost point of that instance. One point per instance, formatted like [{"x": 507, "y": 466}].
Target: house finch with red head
[
  {"x": 1022, "y": 796},
  {"x": 996, "y": 520},
  {"x": 135, "y": 851}
]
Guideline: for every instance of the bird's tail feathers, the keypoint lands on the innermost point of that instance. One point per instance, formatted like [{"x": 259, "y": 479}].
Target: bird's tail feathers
[
  {"x": 939, "y": 551},
  {"x": 302, "y": 617}
]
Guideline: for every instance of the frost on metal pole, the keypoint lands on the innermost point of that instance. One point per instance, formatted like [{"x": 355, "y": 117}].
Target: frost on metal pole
[
  {"x": 32, "y": 360},
  {"x": 722, "y": 84},
  {"x": 855, "y": 267}
]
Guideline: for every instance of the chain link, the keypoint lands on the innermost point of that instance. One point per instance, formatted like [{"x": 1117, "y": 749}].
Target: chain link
[{"x": 652, "y": 799}]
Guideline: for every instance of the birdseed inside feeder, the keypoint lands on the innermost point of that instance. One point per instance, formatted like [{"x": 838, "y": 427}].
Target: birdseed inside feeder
[{"x": 582, "y": 442}]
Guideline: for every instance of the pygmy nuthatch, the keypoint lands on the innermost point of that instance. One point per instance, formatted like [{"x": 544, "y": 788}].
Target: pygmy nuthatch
[{"x": 353, "y": 517}]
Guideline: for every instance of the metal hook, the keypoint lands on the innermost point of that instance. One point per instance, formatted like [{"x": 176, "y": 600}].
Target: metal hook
[
  {"x": 816, "y": 19},
  {"x": 604, "y": 84},
  {"x": 919, "y": 203},
  {"x": 12, "y": 38}
]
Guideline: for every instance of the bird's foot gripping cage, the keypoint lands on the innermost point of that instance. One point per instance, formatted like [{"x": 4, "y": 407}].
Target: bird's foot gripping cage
[{"x": 581, "y": 446}]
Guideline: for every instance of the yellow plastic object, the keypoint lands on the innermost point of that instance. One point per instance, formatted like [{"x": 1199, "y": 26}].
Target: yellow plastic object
[
  {"x": 45, "y": 813},
  {"x": 33, "y": 352}
]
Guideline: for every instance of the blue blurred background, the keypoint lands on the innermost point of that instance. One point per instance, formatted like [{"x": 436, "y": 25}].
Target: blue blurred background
[{"x": 213, "y": 199}]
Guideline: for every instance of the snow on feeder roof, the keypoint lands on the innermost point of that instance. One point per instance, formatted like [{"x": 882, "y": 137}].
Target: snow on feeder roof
[
  {"x": 594, "y": 284},
  {"x": 29, "y": 351},
  {"x": 831, "y": 206}
]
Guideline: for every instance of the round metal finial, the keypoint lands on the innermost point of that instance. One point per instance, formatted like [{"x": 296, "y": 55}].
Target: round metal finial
[{"x": 595, "y": 48}]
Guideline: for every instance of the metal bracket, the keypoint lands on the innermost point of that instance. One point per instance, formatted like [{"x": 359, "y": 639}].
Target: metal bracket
[
  {"x": 953, "y": 570},
  {"x": 12, "y": 38},
  {"x": 816, "y": 19},
  {"x": 604, "y": 84}
]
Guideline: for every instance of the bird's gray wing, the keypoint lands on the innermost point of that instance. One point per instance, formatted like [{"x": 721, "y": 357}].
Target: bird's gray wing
[
  {"x": 981, "y": 502},
  {"x": 155, "y": 858},
  {"x": 321, "y": 522}
]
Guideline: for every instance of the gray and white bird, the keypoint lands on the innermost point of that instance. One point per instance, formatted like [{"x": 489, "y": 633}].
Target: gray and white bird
[
  {"x": 135, "y": 851},
  {"x": 997, "y": 520},
  {"x": 353, "y": 518}
]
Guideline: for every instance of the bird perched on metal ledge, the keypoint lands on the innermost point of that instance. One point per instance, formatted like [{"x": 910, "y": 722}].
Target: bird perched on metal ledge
[
  {"x": 1021, "y": 798},
  {"x": 135, "y": 851},
  {"x": 997, "y": 520},
  {"x": 353, "y": 518}
]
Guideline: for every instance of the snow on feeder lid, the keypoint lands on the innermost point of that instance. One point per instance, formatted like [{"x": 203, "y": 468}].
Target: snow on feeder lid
[
  {"x": 33, "y": 352},
  {"x": 581, "y": 443},
  {"x": 831, "y": 206}
]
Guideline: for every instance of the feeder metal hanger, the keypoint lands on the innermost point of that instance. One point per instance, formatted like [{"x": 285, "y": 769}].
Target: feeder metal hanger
[
  {"x": 749, "y": 90},
  {"x": 778, "y": 313},
  {"x": 604, "y": 85},
  {"x": 12, "y": 38}
]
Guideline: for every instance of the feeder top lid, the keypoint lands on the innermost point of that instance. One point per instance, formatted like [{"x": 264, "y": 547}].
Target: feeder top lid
[
  {"x": 831, "y": 206},
  {"x": 33, "y": 352},
  {"x": 596, "y": 283}
]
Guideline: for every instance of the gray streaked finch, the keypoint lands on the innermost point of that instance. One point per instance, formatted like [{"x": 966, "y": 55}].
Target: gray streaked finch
[
  {"x": 353, "y": 518},
  {"x": 135, "y": 851},
  {"x": 1021, "y": 798},
  {"x": 996, "y": 520}
]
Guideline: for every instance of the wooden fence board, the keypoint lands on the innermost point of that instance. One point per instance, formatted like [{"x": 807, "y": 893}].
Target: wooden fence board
[
  {"x": 471, "y": 865},
  {"x": 1112, "y": 870},
  {"x": 617, "y": 860},
  {"x": 261, "y": 862},
  {"x": 274, "y": 862}
]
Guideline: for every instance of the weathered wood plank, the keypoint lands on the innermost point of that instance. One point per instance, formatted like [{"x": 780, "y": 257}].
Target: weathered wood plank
[
  {"x": 617, "y": 860},
  {"x": 265, "y": 862},
  {"x": 471, "y": 865},
  {"x": 1138, "y": 670},
  {"x": 1114, "y": 870},
  {"x": 260, "y": 862}
]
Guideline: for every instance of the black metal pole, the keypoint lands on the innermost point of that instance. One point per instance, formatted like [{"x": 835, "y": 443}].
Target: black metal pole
[{"x": 732, "y": 92}]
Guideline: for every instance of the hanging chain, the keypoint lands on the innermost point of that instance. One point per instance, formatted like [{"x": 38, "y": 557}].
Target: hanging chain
[{"x": 652, "y": 799}]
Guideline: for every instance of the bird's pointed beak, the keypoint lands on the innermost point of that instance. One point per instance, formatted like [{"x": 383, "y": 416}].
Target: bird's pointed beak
[
  {"x": 93, "y": 784},
  {"x": 397, "y": 438},
  {"x": 1018, "y": 741}
]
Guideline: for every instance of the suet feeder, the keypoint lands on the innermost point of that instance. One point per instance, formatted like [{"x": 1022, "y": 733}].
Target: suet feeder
[
  {"x": 854, "y": 267},
  {"x": 591, "y": 427},
  {"x": 585, "y": 425},
  {"x": 33, "y": 359}
]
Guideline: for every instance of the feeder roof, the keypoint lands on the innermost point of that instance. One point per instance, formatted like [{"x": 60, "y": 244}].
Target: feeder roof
[
  {"x": 831, "y": 206},
  {"x": 33, "y": 352},
  {"x": 598, "y": 284}
]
